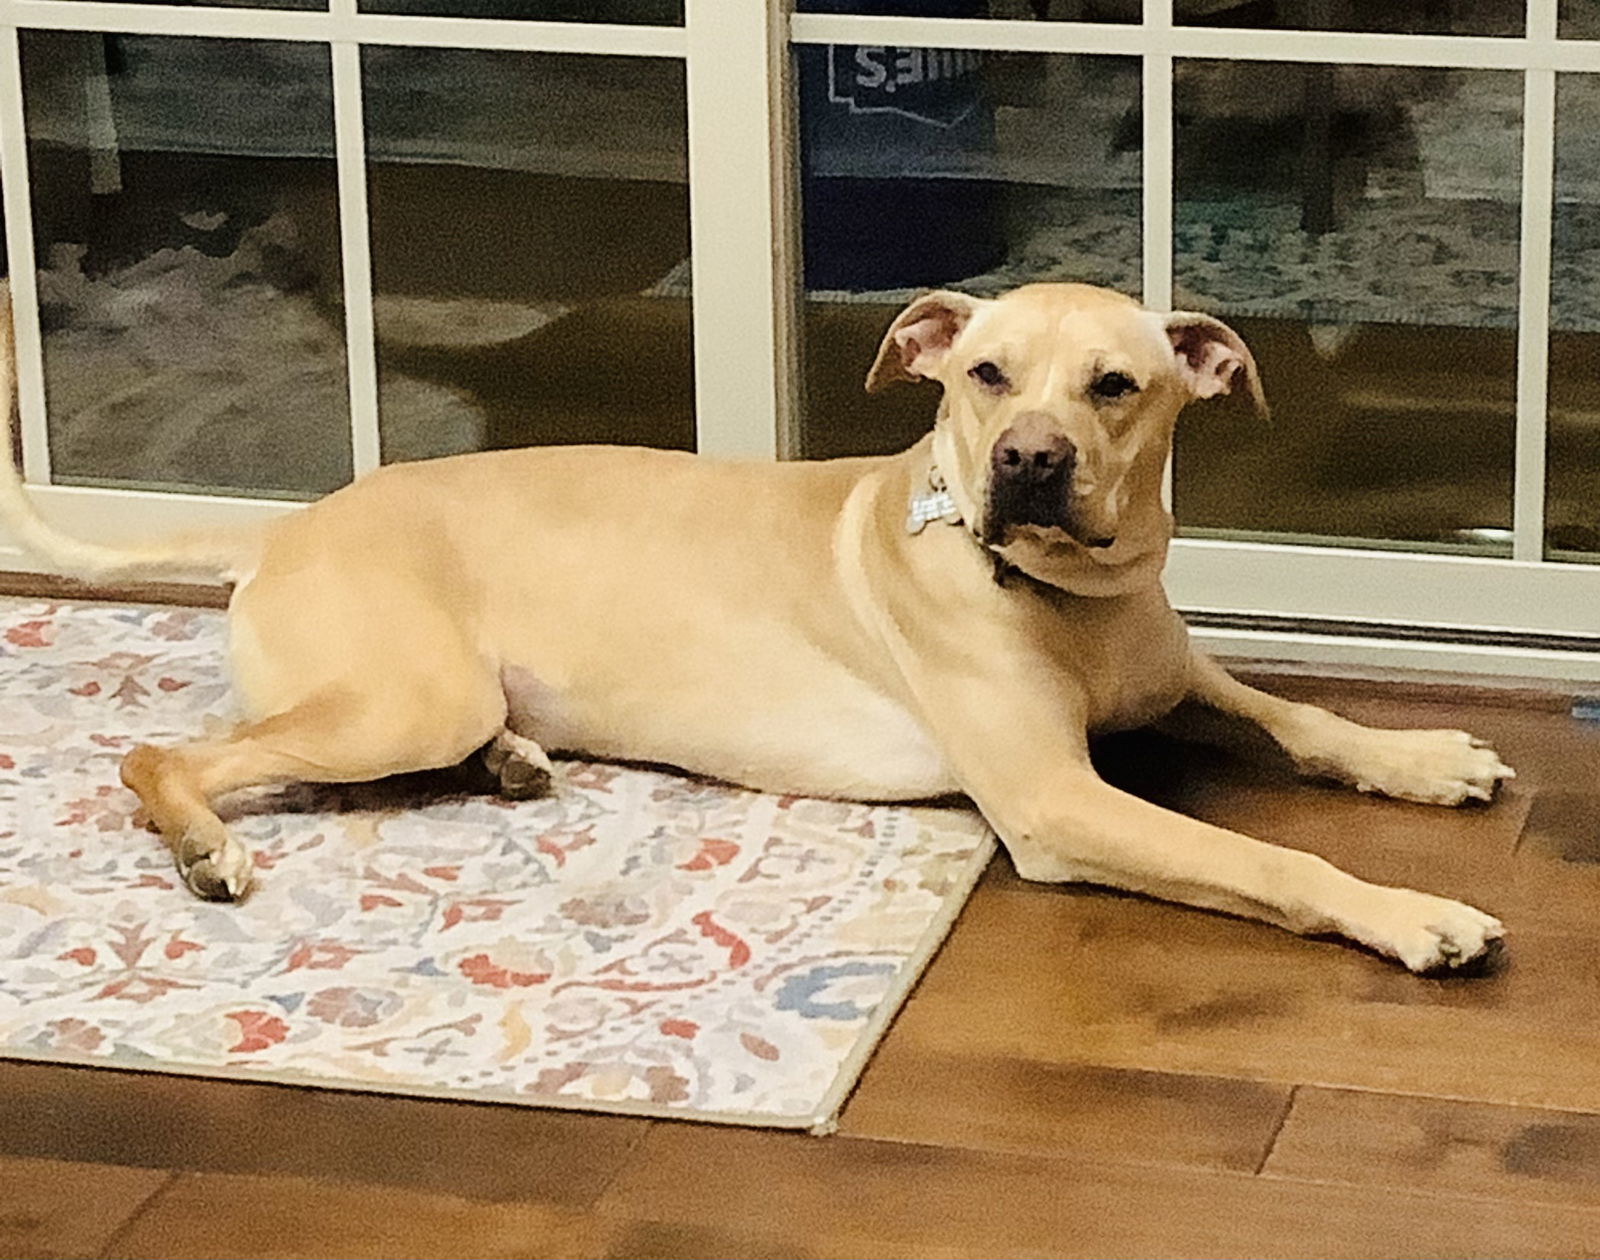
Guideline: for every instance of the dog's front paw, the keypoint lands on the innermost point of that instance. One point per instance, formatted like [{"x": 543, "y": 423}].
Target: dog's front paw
[
  {"x": 1431, "y": 767},
  {"x": 1431, "y": 935}
]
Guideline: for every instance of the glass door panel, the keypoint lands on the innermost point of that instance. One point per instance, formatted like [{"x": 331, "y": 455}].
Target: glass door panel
[
  {"x": 188, "y": 262},
  {"x": 948, "y": 167},
  {"x": 1572, "y": 476},
  {"x": 1359, "y": 226},
  {"x": 530, "y": 249}
]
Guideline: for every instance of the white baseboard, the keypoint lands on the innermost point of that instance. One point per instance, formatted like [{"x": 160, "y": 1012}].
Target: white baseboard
[{"x": 1358, "y": 656}]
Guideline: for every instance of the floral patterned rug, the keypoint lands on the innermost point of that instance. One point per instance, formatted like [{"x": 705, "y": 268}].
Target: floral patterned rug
[{"x": 640, "y": 942}]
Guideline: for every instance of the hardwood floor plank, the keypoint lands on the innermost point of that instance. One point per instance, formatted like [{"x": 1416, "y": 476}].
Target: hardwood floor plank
[
  {"x": 205, "y": 1215},
  {"x": 1079, "y": 976},
  {"x": 1564, "y": 826},
  {"x": 916, "y": 1093},
  {"x": 48, "y": 586},
  {"x": 684, "y": 1240},
  {"x": 1333, "y": 685},
  {"x": 144, "y": 1119},
  {"x": 846, "y": 1196},
  {"x": 57, "y": 1208},
  {"x": 1436, "y": 1144}
]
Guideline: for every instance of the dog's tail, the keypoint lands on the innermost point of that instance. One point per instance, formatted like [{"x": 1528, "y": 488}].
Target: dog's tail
[{"x": 204, "y": 558}]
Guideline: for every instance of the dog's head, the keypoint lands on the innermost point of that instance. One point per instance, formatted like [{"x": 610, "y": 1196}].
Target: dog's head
[{"x": 1059, "y": 402}]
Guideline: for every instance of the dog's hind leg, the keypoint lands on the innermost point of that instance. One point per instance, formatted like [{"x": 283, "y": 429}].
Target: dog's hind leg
[
  {"x": 335, "y": 735},
  {"x": 521, "y": 766}
]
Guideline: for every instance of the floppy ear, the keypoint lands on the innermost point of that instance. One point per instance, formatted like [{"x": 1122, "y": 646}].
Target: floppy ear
[
  {"x": 1211, "y": 356},
  {"x": 920, "y": 337}
]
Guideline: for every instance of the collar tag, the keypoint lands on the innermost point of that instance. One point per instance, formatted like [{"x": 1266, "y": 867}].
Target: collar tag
[{"x": 932, "y": 504}]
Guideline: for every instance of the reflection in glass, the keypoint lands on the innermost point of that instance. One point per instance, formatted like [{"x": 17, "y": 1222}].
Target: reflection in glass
[
  {"x": 924, "y": 168},
  {"x": 1572, "y": 479},
  {"x": 14, "y": 429},
  {"x": 650, "y": 12},
  {"x": 1399, "y": 17},
  {"x": 1359, "y": 226},
  {"x": 1578, "y": 19},
  {"x": 530, "y": 249},
  {"x": 252, "y": 4},
  {"x": 1037, "y": 10},
  {"x": 189, "y": 279},
  {"x": 1410, "y": 17}
]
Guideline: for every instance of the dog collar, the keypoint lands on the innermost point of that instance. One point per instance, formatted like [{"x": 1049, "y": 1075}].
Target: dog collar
[{"x": 932, "y": 504}]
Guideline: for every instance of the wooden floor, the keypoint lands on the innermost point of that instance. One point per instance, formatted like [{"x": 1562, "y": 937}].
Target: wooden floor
[{"x": 1080, "y": 1073}]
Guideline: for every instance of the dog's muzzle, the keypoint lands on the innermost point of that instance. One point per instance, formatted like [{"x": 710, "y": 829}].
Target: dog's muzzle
[{"x": 1030, "y": 480}]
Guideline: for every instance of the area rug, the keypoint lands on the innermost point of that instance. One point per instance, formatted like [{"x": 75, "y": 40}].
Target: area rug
[{"x": 639, "y": 942}]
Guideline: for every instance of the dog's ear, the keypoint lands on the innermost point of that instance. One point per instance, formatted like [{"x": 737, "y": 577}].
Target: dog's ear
[
  {"x": 1211, "y": 357},
  {"x": 920, "y": 337}
]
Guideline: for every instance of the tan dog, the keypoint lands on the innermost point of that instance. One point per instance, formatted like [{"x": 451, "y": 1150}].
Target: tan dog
[{"x": 956, "y": 618}]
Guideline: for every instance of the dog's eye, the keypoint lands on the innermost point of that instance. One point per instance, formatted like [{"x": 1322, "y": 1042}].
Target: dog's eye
[
  {"x": 988, "y": 375},
  {"x": 1113, "y": 385}
]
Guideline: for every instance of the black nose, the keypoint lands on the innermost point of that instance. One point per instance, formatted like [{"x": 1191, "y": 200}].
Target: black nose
[
  {"x": 1030, "y": 478},
  {"x": 1031, "y": 454}
]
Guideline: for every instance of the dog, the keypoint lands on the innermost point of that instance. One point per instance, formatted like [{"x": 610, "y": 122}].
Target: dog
[{"x": 958, "y": 618}]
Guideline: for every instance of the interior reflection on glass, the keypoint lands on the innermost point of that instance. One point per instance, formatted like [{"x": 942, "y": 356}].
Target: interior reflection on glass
[
  {"x": 1401, "y": 17},
  {"x": 633, "y": 12},
  {"x": 14, "y": 429},
  {"x": 1359, "y": 226},
  {"x": 252, "y": 4},
  {"x": 1013, "y": 10},
  {"x": 927, "y": 167},
  {"x": 530, "y": 249},
  {"x": 1410, "y": 17},
  {"x": 1572, "y": 479},
  {"x": 1578, "y": 19},
  {"x": 189, "y": 279}
]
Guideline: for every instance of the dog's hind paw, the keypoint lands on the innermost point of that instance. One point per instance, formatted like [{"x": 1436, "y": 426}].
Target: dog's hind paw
[
  {"x": 522, "y": 767},
  {"x": 523, "y": 781},
  {"x": 213, "y": 870}
]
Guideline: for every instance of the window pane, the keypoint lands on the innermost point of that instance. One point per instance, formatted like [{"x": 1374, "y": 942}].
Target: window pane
[
  {"x": 1579, "y": 19},
  {"x": 14, "y": 429},
  {"x": 1403, "y": 17},
  {"x": 249, "y": 4},
  {"x": 1572, "y": 506},
  {"x": 1359, "y": 227},
  {"x": 190, "y": 290},
  {"x": 1040, "y": 10},
  {"x": 530, "y": 246},
  {"x": 978, "y": 171},
  {"x": 649, "y": 12}
]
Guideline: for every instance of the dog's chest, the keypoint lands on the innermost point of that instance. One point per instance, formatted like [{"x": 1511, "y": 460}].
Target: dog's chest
[
  {"x": 1131, "y": 661},
  {"x": 1139, "y": 702}
]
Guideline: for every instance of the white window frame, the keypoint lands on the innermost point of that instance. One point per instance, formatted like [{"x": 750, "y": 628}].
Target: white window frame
[{"x": 1521, "y": 616}]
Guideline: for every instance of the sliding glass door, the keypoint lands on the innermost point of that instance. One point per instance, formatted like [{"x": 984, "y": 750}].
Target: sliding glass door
[{"x": 260, "y": 249}]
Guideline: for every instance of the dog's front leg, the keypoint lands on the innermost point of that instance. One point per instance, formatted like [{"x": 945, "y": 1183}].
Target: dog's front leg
[
  {"x": 1075, "y": 827},
  {"x": 1436, "y": 767},
  {"x": 1024, "y": 760}
]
